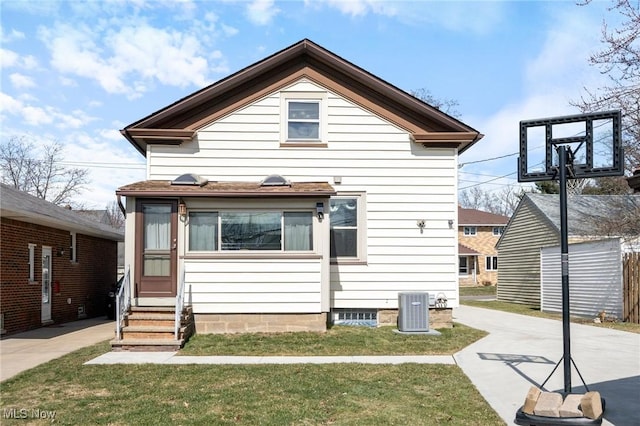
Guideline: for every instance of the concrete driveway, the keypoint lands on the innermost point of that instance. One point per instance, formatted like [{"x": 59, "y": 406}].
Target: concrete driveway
[
  {"x": 22, "y": 351},
  {"x": 521, "y": 352}
]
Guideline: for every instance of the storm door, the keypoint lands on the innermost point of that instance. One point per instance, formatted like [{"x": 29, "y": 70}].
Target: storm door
[
  {"x": 156, "y": 248},
  {"x": 46, "y": 285}
]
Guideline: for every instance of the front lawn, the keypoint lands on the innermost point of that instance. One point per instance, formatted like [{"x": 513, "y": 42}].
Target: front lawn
[
  {"x": 341, "y": 394},
  {"x": 338, "y": 340}
]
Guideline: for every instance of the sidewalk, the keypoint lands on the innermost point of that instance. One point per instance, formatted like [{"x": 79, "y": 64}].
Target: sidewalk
[
  {"x": 521, "y": 352},
  {"x": 22, "y": 351}
]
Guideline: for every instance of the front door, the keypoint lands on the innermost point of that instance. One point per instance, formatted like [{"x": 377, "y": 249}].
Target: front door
[
  {"x": 156, "y": 248},
  {"x": 46, "y": 284}
]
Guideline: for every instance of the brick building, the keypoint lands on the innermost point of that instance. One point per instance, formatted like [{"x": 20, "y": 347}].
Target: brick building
[
  {"x": 478, "y": 233},
  {"x": 55, "y": 265}
]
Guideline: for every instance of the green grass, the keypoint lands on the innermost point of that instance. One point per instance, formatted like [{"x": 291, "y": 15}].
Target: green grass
[
  {"x": 489, "y": 290},
  {"x": 341, "y": 394},
  {"x": 338, "y": 340},
  {"x": 517, "y": 308}
]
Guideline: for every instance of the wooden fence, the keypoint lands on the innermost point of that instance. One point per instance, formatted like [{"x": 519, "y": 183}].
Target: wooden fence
[{"x": 631, "y": 287}]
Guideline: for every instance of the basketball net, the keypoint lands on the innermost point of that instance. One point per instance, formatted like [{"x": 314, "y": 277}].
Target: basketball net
[{"x": 575, "y": 186}]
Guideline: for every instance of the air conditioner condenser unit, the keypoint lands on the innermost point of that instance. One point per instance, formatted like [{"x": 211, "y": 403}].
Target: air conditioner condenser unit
[{"x": 413, "y": 312}]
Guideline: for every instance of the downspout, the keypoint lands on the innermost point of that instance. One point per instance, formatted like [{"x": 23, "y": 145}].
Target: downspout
[{"x": 122, "y": 208}]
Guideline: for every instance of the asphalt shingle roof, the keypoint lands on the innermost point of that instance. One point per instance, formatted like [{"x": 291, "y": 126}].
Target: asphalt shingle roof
[
  {"x": 583, "y": 211},
  {"x": 24, "y": 207}
]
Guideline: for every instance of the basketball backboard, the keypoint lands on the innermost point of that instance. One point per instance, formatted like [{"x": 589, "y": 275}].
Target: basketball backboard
[{"x": 594, "y": 141}]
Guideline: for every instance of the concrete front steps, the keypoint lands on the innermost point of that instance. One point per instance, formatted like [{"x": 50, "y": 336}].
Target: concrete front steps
[{"x": 151, "y": 328}]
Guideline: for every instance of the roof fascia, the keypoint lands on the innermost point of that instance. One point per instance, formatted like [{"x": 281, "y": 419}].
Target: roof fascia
[{"x": 380, "y": 95}]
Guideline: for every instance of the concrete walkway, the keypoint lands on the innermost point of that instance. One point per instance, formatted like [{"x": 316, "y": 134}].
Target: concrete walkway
[
  {"x": 521, "y": 352},
  {"x": 22, "y": 351}
]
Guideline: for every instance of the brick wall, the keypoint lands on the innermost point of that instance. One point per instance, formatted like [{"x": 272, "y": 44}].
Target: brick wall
[
  {"x": 484, "y": 243},
  {"x": 84, "y": 282}
]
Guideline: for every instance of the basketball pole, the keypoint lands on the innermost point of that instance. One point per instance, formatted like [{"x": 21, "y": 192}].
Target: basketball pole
[{"x": 564, "y": 249}]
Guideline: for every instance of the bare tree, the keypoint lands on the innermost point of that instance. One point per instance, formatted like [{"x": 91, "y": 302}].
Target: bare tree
[
  {"x": 619, "y": 59},
  {"x": 41, "y": 175},
  {"x": 448, "y": 106},
  {"x": 114, "y": 215},
  {"x": 502, "y": 202}
]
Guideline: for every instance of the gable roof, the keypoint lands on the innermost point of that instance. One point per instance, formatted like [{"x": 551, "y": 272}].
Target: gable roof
[
  {"x": 18, "y": 205},
  {"x": 180, "y": 121},
  {"x": 480, "y": 218},
  {"x": 583, "y": 211}
]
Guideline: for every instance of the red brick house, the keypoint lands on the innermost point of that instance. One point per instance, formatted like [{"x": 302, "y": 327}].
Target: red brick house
[
  {"x": 55, "y": 265},
  {"x": 478, "y": 233}
]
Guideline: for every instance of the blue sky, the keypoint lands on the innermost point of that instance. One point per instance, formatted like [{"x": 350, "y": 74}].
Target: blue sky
[{"x": 77, "y": 72}]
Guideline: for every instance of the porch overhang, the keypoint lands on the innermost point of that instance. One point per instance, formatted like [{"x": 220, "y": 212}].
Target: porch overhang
[{"x": 164, "y": 189}]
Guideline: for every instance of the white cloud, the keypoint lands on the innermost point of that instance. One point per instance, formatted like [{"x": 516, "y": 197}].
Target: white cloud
[
  {"x": 21, "y": 81},
  {"x": 42, "y": 115},
  {"x": 261, "y": 12},
  {"x": 12, "y": 36},
  {"x": 131, "y": 58},
  {"x": 8, "y": 58}
]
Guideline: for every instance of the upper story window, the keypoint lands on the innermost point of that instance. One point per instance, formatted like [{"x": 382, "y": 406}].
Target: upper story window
[
  {"x": 303, "y": 120},
  {"x": 347, "y": 228},
  {"x": 470, "y": 230},
  {"x": 250, "y": 230},
  {"x": 498, "y": 230}
]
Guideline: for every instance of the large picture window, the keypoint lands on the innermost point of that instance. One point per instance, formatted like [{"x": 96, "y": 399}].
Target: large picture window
[
  {"x": 250, "y": 230},
  {"x": 347, "y": 227}
]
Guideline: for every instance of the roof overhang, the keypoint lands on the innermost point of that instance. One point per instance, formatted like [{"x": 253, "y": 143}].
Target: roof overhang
[
  {"x": 180, "y": 121},
  {"x": 164, "y": 189},
  {"x": 460, "y": 140}
]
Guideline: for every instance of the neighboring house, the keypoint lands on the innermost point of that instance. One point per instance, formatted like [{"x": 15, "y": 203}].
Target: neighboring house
[
  {"x": 536, "y": 224},
  {"x": 295, "y": 192},
  {"x": 478, "y": 233},
  {"x": 102, "y": 216},
  {"x": 55, "y": 265}
]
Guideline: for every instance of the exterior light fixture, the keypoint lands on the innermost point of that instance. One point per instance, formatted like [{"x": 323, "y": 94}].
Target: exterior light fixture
[
  {"x": 320, "y": 210},
  {"x": 182, "y": 209}
]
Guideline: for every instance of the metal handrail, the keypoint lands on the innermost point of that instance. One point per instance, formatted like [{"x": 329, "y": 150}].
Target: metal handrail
[
  {"x": 123, "y": 303},
  {"x": 179, "y": 302}
]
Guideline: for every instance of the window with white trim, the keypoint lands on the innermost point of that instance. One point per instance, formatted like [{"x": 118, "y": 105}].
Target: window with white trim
[
  {"x": 491, "y": 263},
  {"x": 463, "y": 265},
  {"x": 73, "y": 249},
  {"x": 250, "y": 230},
  {"x": 32, "y": 262},
  {"x": 303, "y": 120},
  {"x": 470, "y": 230},
  {"x": 498, "y": 230},
  {"x": 347, "y": 227}
]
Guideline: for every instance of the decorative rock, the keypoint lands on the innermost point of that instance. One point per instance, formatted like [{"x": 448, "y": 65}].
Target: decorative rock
[
  {"x": 548, "y": 404},
  {"x": 591, "y": 405},
  {"x": 571, "y": 406},
  {"x": 531, "y": 400}
]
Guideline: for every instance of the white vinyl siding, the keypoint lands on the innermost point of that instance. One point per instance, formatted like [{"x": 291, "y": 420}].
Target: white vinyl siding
[
  {"x": 595, "y": 279},
  {"x": 403, "y": 182},
  {"x": 254, "y": 285}
]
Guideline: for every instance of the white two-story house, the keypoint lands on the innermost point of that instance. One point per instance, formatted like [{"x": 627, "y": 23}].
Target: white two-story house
[{"x": 296, "y": 192}]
